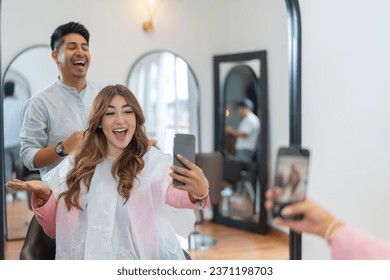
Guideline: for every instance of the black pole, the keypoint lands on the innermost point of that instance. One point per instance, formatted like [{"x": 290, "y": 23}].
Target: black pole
[
  {"x": 295, "y": 76},
  {"x": 2, "y": 192}
]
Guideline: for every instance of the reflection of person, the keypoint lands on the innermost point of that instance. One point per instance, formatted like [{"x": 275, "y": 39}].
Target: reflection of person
[
  {"x": 112, "y": 198},
  {"x": 247, "y": 132},
  {"x": 12, "y": 122},
  {"x": 289, "y": 191},
  {"x": 55, "y": 117},
  {"x": 345, "y": 241},
  {"x": 293, "y": 178}
]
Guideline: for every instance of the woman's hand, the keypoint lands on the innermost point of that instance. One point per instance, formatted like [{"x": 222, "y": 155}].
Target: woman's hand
[
  {"x": 315, "y": 220},
  {"x": 192, "y": 177},
  {"x": 39, "y": 188}
]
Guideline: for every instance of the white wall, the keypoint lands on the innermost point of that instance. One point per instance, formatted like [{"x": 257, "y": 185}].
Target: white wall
[
  {"x": 195, "y": 30},
  {"x": 346, "y": 112}
]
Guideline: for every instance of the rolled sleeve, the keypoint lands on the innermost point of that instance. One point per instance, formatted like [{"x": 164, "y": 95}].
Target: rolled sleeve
[{"x": 180, "y": 199}]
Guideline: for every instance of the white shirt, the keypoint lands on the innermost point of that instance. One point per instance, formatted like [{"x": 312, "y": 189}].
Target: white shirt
[
  {"x": 144, "y": 227},
  {"x": 251, "y": 126}
]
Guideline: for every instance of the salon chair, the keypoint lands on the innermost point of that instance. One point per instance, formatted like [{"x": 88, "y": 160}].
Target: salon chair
[
  {"x": 238, "y": 171},
  {"x": 38, "y": 246},
  {"x": 211, "y": 164}
]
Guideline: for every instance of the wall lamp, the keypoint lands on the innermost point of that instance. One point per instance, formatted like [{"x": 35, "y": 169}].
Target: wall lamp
[{"x": 151, "y": 7}]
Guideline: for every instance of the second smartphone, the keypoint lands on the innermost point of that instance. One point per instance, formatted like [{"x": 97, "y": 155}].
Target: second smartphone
[{"x": 291, "y": 175}]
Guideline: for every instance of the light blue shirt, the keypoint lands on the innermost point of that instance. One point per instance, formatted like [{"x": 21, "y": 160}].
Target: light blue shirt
[{"x": 51, "y": 116}]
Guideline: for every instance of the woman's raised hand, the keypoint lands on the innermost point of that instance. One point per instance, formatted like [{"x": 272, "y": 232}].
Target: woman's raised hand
[{"x": 39, "y": 188}]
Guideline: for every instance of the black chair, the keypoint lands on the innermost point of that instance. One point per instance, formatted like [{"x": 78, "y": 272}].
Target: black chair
[
  {"x": 238, "y": 171},
  {"x": 37, "y": 245}
]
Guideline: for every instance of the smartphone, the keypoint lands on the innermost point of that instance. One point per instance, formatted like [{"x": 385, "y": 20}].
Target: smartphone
[
  {"x": 183, "y": 144},
  {"x": 290, "y": 183}
]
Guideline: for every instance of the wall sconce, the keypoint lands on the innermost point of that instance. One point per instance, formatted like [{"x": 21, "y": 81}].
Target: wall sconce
[{"x": 151, "y": 7}]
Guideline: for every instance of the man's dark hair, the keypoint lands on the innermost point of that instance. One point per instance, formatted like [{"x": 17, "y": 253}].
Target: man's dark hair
[
  {"x": 57, "y": 38},
  {"x": 246, "y": 102},
  {"x": 9, "y": 88}
]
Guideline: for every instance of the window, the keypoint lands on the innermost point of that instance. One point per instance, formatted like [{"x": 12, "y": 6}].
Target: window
[{"x": 168, "y": 92}]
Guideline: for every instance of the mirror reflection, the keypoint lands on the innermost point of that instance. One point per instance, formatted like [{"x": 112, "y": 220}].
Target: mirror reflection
[
  {"x": 197, "y": 43},
  {"x": 242, "y": 138},
  {"x": 21, "y": 79},
  {"x": 242, "y": 130},
  {"x": 168, "y": 92}
]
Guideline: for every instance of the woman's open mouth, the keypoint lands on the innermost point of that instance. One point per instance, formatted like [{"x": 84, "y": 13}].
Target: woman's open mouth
[{"x": 120, "y": 133}]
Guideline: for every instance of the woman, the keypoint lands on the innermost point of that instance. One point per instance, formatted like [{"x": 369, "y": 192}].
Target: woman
[{"x": 114, "y": 198}]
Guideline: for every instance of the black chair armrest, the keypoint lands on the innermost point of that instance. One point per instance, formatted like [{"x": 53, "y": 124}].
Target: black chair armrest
[{"x": 37, "y": 245}]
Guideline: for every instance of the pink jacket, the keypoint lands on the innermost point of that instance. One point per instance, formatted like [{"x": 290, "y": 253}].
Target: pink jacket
[
  {"x": 46, "y": 215},
  {"x": 352, "y": 244}
]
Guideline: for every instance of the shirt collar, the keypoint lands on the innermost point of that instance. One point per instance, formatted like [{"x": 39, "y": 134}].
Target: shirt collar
[{"x": 71, "y": 89}]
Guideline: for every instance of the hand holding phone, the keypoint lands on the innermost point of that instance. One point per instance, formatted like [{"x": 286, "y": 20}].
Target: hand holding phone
[
  {"x": 290, "y": 183},
  {"x": 183, "y": 144}
]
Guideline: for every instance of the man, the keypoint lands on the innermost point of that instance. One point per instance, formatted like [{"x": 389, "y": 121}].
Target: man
[
  {"x": 247, "y": 133},
  {"x": 12, "y": 125},
  {"x": 55, "y": 117}
]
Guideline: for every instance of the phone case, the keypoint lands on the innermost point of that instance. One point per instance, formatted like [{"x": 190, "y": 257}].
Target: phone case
[{"x": 183, "y": 144}]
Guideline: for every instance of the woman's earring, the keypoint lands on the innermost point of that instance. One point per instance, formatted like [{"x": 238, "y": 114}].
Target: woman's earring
[{"x": 100, "y": 126}]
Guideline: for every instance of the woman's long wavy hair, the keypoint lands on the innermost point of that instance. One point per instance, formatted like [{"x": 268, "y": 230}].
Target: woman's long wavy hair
[{"x": 93, "y": 149}]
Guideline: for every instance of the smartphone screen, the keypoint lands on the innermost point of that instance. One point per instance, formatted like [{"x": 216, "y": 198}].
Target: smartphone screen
[
  {"x": 183, "y": 144},
  {"x": 290, "y": 182}
]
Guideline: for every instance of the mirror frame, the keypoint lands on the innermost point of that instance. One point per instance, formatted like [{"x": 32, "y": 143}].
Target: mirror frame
[
  {"x": 2, "y": 192},
  {"x": 262, "y": 153},
  {"x": 295, "y": 77}
]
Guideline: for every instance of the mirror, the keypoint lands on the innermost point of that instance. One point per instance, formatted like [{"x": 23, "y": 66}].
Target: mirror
[
  {"x": 258, "y": 25},
  {"x": 168, "y": 92},
  {"x": 242, "y": 78},
  {"x": 30, "y": 71}
]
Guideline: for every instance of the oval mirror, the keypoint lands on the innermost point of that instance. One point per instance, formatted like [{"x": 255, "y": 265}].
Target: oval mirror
[
  {"x": 168, "y": 92},
  {"x": 30, "y": 71}
]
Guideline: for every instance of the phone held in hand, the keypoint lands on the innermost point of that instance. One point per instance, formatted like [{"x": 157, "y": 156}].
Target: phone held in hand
[
  {"x": 183, "y": 144},
  {"x": 291, "y": 174}
]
